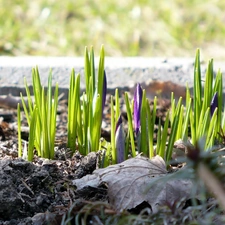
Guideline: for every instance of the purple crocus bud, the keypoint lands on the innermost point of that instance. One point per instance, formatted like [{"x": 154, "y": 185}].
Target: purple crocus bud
[
  {"x": 137, "y": 108},
  {"x": 120, "y": 140},
  {"x": 214, "y": 103},
  {"x": 119, "y": 122},
  {"x": 104, "y": 90}
]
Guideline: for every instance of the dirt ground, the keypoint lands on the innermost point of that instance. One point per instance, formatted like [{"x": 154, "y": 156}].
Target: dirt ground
[{"x": 41, "y": 192}]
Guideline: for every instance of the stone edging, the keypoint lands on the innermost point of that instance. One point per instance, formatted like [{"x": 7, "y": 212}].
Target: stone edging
[{"x": 121, "y": 72}]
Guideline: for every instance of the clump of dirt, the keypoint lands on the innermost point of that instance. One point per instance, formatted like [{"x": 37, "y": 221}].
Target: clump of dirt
[
  {"x": 28, "y": 188},
  {"x": 41, "y": 191}
]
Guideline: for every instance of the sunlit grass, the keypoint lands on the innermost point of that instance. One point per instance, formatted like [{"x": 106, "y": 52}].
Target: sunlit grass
[
  {"x": 204, "y": 117},
  {"x": 41, "y": 117},
  {"x": 146, "y": 27},
  {"x": 85, "y": 116}
]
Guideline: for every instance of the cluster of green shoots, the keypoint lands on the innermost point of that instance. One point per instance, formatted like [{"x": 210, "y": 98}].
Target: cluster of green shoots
[
  {"x": 41, "y": 118},
  {"x": 201, "y": 115},
  {"x": 84, "y": 113}
]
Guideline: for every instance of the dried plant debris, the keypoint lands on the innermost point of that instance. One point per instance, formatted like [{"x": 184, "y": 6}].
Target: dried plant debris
[
  {"x": 9, "y": 102},
  {"x": 138, "y": 180},
  {"x": 162, "y": 89}
]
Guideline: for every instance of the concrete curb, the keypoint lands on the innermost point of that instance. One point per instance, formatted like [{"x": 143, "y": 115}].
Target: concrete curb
[{"x": 121, "y": 72}]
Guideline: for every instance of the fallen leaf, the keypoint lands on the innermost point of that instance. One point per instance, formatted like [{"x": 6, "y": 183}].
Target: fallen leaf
[
  {"x": 137, "y": 180},
  {"x": 162, "y": 89},
  {"x": 9, "y": 101}
]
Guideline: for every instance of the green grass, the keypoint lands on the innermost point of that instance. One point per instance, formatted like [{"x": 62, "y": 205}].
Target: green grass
[
  {"x": 85, "y": 116},
  {"x": 41, "y": 117},
  {"x": 128, "y": 28}
]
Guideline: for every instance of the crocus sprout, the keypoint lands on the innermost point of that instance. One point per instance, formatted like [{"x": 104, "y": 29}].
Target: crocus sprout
[
  {"x": 120, "y": 140},
  {"x": 214, "y": 103},
  {"x": 104, "y": 91},
  {"x": 137, "y": 108}
]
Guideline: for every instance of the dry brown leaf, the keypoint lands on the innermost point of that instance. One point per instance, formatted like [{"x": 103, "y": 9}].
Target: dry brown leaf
[
  {"x": 9, "y": 101},
  {"x": 162, "y": 89},
  {"x": 136, "y": 180}
]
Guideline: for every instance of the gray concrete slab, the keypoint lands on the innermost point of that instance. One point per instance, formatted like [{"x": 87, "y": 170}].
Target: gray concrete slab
[{"x": 121, "y": 72}]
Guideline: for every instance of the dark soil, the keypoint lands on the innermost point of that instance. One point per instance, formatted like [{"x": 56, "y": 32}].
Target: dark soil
[{"x": 41, "y": 192}]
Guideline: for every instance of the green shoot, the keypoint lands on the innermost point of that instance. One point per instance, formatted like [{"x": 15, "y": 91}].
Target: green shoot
[
  {"x": 19, "y": 131},
  {"x": 85, "y": 114},
  {"x": 41, "y": 117},
  {"x": 130, "y": 125}
]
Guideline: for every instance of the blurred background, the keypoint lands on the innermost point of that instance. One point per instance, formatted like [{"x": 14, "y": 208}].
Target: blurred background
[{"x": 126, "y": 27}]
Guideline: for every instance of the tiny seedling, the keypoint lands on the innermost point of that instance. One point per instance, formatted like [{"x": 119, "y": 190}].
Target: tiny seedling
[
  {"x": 202, "y": 116},
  {"x": 41, "y": 116},
  {"x": 85, "y": 113}
]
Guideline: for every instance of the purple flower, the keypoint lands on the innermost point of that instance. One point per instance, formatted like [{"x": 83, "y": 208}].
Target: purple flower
[
  {"x": 120, "y": 140},
  {"x": 137, "y": 108},
  {"x": 119, "y": 122},
  {"x": 214, "y": 103},
  {"x": 104, "y": 90}
]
